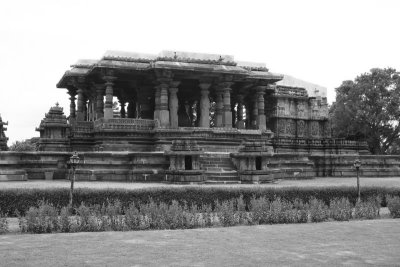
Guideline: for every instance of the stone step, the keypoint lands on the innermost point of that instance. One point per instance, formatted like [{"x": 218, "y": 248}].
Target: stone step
[
  {"x": 221, "y": 182},
  {"x": 220, "y": 171},
  {"x": 217, "y": 167},
  {"x": 224, "y": 178}
]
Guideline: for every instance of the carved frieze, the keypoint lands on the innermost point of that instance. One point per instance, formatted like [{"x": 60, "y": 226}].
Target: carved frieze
[
  {"x": 315, "y": 131},
  {"x": 281, "y": 127},
  {"x": 301, "y": 127},
  {"x": 291, "y": 127}
]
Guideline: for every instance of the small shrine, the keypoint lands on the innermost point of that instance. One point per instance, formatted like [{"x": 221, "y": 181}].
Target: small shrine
[
  {"x": 184, "y": 159},
  {"x": 3, "y": 137},
  {"x": 252, "y": 162},
  {"x": 54, "y": 131}
]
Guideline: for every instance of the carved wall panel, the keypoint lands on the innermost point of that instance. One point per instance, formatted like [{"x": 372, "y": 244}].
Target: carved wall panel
[
  {"x": 301, "y": 127},
  {"x": 301, "y": 109},
  {"x": 281, "y": 127},
  {"x": 292, "y": 108},
  {"x": 314, "y": 128},
  {"x": 291, "y": 128}
]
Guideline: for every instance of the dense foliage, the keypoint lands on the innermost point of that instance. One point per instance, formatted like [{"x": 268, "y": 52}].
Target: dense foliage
[
  {"x": 22, "y": 199},
  {"x": 112, "y": 216},
  {"x": 26, "y": 145},
  {"x": 368, "y": 108}
]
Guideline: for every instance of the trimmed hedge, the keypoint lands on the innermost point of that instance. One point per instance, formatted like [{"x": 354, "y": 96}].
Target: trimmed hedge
[{"x": 12, "y": 200}]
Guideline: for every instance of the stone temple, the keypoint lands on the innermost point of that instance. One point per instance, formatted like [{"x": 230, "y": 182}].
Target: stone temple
[{"x": 191, "y": 117}]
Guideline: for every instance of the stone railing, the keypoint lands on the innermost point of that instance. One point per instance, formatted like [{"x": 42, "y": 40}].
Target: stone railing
[
  {"x": 125, "y": 124},
  {"x": 303, "y": 116},
  {"x": 319, "y": 142},
  {"x": 82, "y": 129}
]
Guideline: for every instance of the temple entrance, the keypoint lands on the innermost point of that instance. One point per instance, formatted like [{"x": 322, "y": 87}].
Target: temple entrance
[
  {"x": 188, "y": 162},
  {"x": 258, "y": 163}
]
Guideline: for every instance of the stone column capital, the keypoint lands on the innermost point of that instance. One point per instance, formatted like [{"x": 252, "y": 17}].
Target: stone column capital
[
  {"x": 174, "y": 84},
  {"x": 204, "y": 86},
  {"x": 225, "y": 85},
  {"x": 99, "y": 86},
  {"x": 260, "y": 89},
  {"x": 109, "y": 79},
  {"x": 173, "y": 90}
]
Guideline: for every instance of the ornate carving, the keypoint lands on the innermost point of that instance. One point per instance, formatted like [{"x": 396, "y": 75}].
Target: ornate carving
[
  {"x": 300, "y": 109},
  {"x": 301, "y": 128},
  {"x": 281, "y": 126},
  {"x": 290, "y": 91},
  {"x": 291, "y": 127},
  {"x": 315, "y": 128}
]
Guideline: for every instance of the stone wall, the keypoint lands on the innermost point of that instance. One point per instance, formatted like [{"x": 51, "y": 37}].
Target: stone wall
[{"x": 151, "y": 166}]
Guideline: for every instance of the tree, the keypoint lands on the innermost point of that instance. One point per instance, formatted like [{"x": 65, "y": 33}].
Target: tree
[
  {"x": 368, "y": 108},
  {"x": 26, "y": 145}
]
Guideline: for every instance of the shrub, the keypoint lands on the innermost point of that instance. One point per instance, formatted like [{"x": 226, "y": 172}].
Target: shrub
[
  {"x": 43, "y": 219},
  {"x": 113, "y": 213},
  {"x": 207, "y": 215},
  {"x": 65, "y": 221},
  {"x": 367, "y": 209},
  {"x": 259, "y": 210},
  {"x": 225, "y": 212},
  {"x": 340, "y": 209},
  {"x": 23, "y": 199},
  {"x": 393, "y": 204},
  {"x": 176, "y": 217},
  {"x": 3, "y": 223},
  {"x": 302, "y": 211},
  {"x": 318, "y": 210},
  {"x": 241, "y": 213},
  {"x": 132, "y": 217}
]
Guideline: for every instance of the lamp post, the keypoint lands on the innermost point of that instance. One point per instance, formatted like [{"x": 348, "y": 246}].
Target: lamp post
[
  {"x": 357, "y": 165},
  {"x": 73, "y": 161}
]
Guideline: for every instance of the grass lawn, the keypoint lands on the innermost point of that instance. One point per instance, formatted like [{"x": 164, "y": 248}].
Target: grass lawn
[
  {"x": 319, "y": 182},
  {"x": 356, "y": 243}
]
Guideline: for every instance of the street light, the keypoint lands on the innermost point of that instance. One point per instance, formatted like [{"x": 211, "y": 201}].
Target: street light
[
  {"x": 73, "y": 162},
  {"x": 357, "y": 165}
]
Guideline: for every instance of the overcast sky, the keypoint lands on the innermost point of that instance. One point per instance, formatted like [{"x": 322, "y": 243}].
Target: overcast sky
[{"x": 323, "y": 42}]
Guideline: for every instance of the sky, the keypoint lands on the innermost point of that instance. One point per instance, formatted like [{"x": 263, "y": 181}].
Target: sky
[{"x": 323, "y": 42}]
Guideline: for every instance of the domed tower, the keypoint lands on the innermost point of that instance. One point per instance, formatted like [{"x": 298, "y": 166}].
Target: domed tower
[
  {"x": 3, "y": 137},
  {"x": 54, "y": 131}
]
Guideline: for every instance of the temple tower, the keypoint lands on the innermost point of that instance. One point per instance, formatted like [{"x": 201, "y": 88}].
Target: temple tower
[{"x": 54, "y": 131}]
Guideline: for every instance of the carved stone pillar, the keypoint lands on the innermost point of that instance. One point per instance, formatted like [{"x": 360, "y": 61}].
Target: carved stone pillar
[
  {"x": 108, "y": 107},
  {"x": 85, "y": 108},
  {"x": 240, "y": 122},
  {"x": 157, "y": 94},
  {"x": 162, "y": 110},
  {"x": 173, "y": 104},
  {"x": 261, "y": 120},
  {"x": 89, "y": 110},
  {"x": 227, "y": 113},
  {"x": 80, "y": 116},
  {"x": 204, "y": 105},
  {"x": 100, "y": 102},
  {"x": 254, "y": 114},
  {"x": 122, "y": 104},
  {"x": 94, "y": 107},
  {"x": 219, "y": 108},
  {"x": 72, "y": 115}
]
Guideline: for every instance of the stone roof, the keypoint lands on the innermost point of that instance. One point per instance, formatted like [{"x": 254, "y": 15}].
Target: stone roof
[
  {"x": 173, "y": 60},
  {"x": 313, "y": 90}
]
